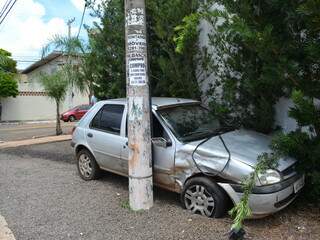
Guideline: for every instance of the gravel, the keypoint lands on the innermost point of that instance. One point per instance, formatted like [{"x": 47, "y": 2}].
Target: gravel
[{"x": 42, "y": 197}]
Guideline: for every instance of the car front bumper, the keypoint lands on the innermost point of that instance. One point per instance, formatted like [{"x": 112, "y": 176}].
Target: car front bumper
[{"x": 267, "y": 200}]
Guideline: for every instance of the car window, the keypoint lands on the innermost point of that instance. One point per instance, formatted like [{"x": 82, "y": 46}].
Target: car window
[
  {"x": 95, "y": 123},
  {"x": 109, "y": 119},
  {"x": 84, "y": 107},
  {"x": 191, "y": 122},
  {"x": 157, "y": 129}
]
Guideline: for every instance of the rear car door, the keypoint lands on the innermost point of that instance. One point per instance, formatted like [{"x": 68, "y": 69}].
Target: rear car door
[{"x": 104, "y": 137}]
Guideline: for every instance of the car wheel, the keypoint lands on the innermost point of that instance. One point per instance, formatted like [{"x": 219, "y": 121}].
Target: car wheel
[
  {"x": 72, "y": 118},
  {"x": 87, "y": 165},
  {"x": 203, "y": 196}
]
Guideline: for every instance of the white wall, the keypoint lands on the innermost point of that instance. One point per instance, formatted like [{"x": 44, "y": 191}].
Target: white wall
[
  {"x": 27, "y": 108},
  {"x": 32, "y": 108},
  {"x": 207, "y": 78},
  {"x": 282, "y": 118}
]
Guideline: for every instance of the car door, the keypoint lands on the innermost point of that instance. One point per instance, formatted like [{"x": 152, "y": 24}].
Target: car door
[
  {"x": 77, "y": 112},
  {"x": 163, "y": 156},
  {"x": 104, "y": 137},
  {"x": 82, "y": 110}
]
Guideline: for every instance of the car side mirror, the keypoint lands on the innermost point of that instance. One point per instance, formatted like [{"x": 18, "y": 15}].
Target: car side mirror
[{"x": 161, "y": 142}]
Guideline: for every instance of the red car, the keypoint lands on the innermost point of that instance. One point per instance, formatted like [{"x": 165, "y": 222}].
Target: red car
[{"x": 75, "y": 113}]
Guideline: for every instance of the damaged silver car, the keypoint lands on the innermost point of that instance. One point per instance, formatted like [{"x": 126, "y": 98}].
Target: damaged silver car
[{"x": 193, "y": 155}]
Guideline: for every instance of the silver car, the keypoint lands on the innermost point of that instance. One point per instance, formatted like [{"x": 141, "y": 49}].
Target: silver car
[{"x": 192, "y": 155}]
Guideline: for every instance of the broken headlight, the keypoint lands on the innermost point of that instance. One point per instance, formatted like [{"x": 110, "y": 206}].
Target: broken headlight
[{"x": 270, "y": 176}]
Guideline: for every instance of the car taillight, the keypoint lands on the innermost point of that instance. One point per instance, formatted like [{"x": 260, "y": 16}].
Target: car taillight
[{"x": 73, "y": 129}]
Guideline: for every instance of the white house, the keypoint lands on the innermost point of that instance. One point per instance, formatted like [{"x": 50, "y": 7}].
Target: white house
[{"x": 32, "y": 102}]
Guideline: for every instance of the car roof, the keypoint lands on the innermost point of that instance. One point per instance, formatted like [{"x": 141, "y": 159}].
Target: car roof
[{"x": 157, "y": 102}]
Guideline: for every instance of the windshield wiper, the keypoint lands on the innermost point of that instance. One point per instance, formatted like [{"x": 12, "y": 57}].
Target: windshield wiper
[
  {"x": 208, "y": 133},
  {"x": 221, "y": 130},
  {"x": 194, "y": 133}
]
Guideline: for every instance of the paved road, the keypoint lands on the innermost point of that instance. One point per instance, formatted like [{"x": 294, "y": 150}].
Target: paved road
[
  {"x": 27, "y": 131},
  {"x": 42, "y": 197}
]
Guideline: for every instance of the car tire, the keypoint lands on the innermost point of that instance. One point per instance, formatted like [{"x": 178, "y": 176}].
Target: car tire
[
  {"x": 204, "y": 196},
  {"x": 87, "y": 166},
  {"x": 72, "y": 118}
]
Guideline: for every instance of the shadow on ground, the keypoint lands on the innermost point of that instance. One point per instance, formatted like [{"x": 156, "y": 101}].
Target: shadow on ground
[{"x": 61, "y": 151}]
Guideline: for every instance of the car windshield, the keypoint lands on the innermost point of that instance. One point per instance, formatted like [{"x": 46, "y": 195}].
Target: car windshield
[
  {"x": 190, "y": 122},
  {"x": 74, "y": 108}
]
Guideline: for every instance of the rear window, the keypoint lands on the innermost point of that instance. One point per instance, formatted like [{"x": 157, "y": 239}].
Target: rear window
[{"x": 108, "y": 119}]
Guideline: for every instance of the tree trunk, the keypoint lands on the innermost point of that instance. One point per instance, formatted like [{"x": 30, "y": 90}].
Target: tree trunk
[
  {"x": 58, "y": 124},
  {"x": 317, "y": 129},
  {"x": 138, "y": 94},
  {"x": 0, "y": 111},
  {"x": 90, "y": 93},
  {"x": 316, "y": 124}
]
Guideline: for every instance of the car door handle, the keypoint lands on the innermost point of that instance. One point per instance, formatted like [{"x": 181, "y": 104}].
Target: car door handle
[{"x": 90, "y": 135}]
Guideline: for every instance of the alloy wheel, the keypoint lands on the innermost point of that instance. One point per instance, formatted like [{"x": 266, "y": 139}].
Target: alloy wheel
[
  {"x": 198, "y": 200},
  {"x": 85, "y": 165}
]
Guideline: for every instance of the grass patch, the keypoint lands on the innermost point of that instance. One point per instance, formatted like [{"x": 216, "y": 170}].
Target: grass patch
[{"x": 126, "y": 205}]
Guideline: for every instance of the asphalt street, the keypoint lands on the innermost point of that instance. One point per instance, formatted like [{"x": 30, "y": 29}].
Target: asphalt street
[
  {"x": 15, "y": 132},
  {"x": 42, "y": 197}
]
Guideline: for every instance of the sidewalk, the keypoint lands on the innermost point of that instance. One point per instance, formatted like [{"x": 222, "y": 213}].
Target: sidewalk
[
  {"x": 13, "y": 144},
  {"x": 27, "y": 131}
]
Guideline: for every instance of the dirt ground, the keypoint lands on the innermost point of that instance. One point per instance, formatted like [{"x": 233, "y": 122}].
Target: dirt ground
[
  {"x": 298, "y": 221},
  {"x": 42, "y": 197}
]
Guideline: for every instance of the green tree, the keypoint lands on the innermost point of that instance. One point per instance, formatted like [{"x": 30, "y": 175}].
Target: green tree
[
  {"x": 268, "y": 50},
  {"x": 171, "y": 74},
  {"x": 106, "y": 58},
  {"x": 75, "y": 67},
  {"x": 69, "y": 46},
  {"x": 8, "y": 84},
  {"x": 55, "y": 85}
]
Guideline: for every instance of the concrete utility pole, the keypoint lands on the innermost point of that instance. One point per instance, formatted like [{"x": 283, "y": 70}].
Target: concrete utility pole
[
  {"x": 139, "y": 131},
  {"x": 69, "y": 23},
  {"x": 70, "y": 100}
]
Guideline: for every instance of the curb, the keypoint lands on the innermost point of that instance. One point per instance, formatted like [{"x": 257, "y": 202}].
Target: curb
[
  {"x": 14, "y": 123},
  {"x": 28, "y": 142},
  {"x": 5, "y": 232}
]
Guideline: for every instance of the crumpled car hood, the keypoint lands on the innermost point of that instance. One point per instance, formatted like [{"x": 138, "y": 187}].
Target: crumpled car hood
[{"x": 244, "y": 145}]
